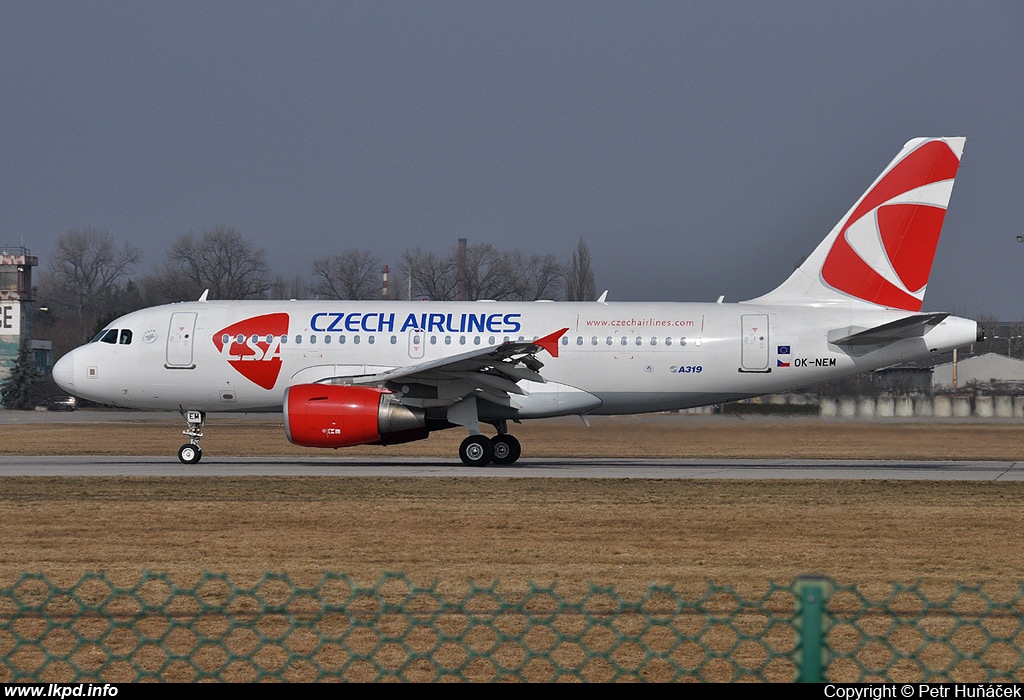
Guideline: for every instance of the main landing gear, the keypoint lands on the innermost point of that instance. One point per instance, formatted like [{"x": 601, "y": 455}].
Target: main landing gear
[
  {"x": 479, "y": 450},
  {"x": 190, "y": 453}
]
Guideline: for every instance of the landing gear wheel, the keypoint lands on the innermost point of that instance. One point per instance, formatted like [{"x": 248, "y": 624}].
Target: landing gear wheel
[
  {"x": 506, "y": 449},
  {"x": 189, "y": 454},
  {"x": 476, "y": 451}
]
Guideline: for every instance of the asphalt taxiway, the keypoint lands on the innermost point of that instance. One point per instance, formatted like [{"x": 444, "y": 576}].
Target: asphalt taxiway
[
  {"x": 528, "y": 467},
  {"x": 591, "y": 468}
]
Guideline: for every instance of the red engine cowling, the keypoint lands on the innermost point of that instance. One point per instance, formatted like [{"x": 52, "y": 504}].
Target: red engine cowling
[{"x": 332, "y": 415}]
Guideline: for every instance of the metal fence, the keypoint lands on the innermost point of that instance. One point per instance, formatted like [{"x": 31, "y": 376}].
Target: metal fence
[{"x": 811, "y": 630}]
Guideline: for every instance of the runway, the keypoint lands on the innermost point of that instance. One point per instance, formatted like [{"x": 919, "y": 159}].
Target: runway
[
  {"x": 335, "y": 464},
  {"x": 603, "y": 468}
]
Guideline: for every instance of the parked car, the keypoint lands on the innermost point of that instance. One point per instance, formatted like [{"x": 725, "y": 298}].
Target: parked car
[{"x": 62, "y": 403}]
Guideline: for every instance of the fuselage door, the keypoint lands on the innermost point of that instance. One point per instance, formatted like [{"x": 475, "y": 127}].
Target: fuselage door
[
  {"x": 754, "y": 336},
  {"x": 181, "y": 340}
]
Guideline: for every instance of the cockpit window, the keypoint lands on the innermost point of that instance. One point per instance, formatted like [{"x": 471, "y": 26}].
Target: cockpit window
[
  {"x": 107, "y": 336},
  {"x": 111, "y": 335}
]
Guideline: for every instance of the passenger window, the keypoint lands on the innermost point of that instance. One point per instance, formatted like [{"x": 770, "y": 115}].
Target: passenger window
[
  {"x": 298, "y": 340},
  {"x": 355, "y": 339},
  {"x": 639, "y": 340},
  {"x": 327, "y": 340},
  {"x": 371, "y": 339}
]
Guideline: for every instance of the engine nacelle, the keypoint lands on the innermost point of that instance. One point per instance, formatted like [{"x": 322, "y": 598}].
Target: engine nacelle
[{"x": 332, "y": 415}]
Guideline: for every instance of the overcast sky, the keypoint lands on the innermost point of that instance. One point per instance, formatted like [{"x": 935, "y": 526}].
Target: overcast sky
[{"x": 700, "y": 148}]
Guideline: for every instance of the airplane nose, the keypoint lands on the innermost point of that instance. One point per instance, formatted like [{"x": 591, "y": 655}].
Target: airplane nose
[{"x": 64, "y": 373}]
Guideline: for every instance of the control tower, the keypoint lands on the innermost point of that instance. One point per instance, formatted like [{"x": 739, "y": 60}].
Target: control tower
[{"x": 16, "y": 299}]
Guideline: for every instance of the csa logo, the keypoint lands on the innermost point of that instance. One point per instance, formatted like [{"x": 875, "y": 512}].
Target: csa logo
[
  {"x": 885, "y": 251},
  {"x": 253, "y": 347}
]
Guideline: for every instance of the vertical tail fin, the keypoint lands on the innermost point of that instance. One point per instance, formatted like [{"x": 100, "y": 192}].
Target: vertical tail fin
[{"x": 881, "y": 252}]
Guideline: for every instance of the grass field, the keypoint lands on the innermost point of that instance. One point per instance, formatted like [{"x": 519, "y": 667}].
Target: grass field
[{"x": 615, "y": 532}]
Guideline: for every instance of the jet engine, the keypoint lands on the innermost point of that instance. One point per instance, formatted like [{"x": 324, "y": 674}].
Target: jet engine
[{"x": 332, "y": 415}]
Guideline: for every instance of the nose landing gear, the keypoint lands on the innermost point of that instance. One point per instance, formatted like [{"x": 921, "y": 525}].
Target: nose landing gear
[{"x": 191, "y": 453}]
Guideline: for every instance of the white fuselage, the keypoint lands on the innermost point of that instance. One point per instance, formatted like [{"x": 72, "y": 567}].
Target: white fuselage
[
  {"x": 615, "y": 358},
  {"x": 353, "y": 373}
]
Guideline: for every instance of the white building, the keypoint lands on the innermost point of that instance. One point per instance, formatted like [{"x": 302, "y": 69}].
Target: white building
[{"x": 988, "y": 369}]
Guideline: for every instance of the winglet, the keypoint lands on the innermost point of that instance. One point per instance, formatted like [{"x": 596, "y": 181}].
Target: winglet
[{"x": 550, "y": 342}]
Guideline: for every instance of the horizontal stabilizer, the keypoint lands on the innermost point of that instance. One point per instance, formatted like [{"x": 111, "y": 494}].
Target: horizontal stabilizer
[{"x": 909, "y": 327}]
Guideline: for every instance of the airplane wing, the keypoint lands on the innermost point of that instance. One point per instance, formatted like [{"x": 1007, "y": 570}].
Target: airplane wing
[
  {"x": 492, "y": 373},
  {"x": 910, "y": 327}
]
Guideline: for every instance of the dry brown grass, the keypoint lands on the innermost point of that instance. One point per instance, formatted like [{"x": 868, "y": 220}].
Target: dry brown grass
[{"x": 626, "y": 533}]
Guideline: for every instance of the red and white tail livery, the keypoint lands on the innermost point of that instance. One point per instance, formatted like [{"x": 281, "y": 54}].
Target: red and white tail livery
[
  {"x": 881, "y": 252},
  {"x": 349, "y": 373}
]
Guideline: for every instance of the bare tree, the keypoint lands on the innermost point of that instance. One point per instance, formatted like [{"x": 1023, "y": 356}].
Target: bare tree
[
  {"x": 482, "y": 272},
  {"x": 430, "y": 275},
  {"x": 534, "y": 277},
  {"x": 353, "y": 274},
  {"x": 87, "y": 273},
  {"x": 219, "y": 260},
  {"x": 579, "y": 282},
  {"x": 281, "y": 288}
]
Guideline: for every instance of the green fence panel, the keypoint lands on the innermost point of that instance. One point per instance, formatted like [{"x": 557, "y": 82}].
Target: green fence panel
[{"x": 811, "y": 630}]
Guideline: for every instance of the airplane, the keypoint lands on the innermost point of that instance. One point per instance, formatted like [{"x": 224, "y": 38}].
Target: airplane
[{"x": 386, "y": 372}]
